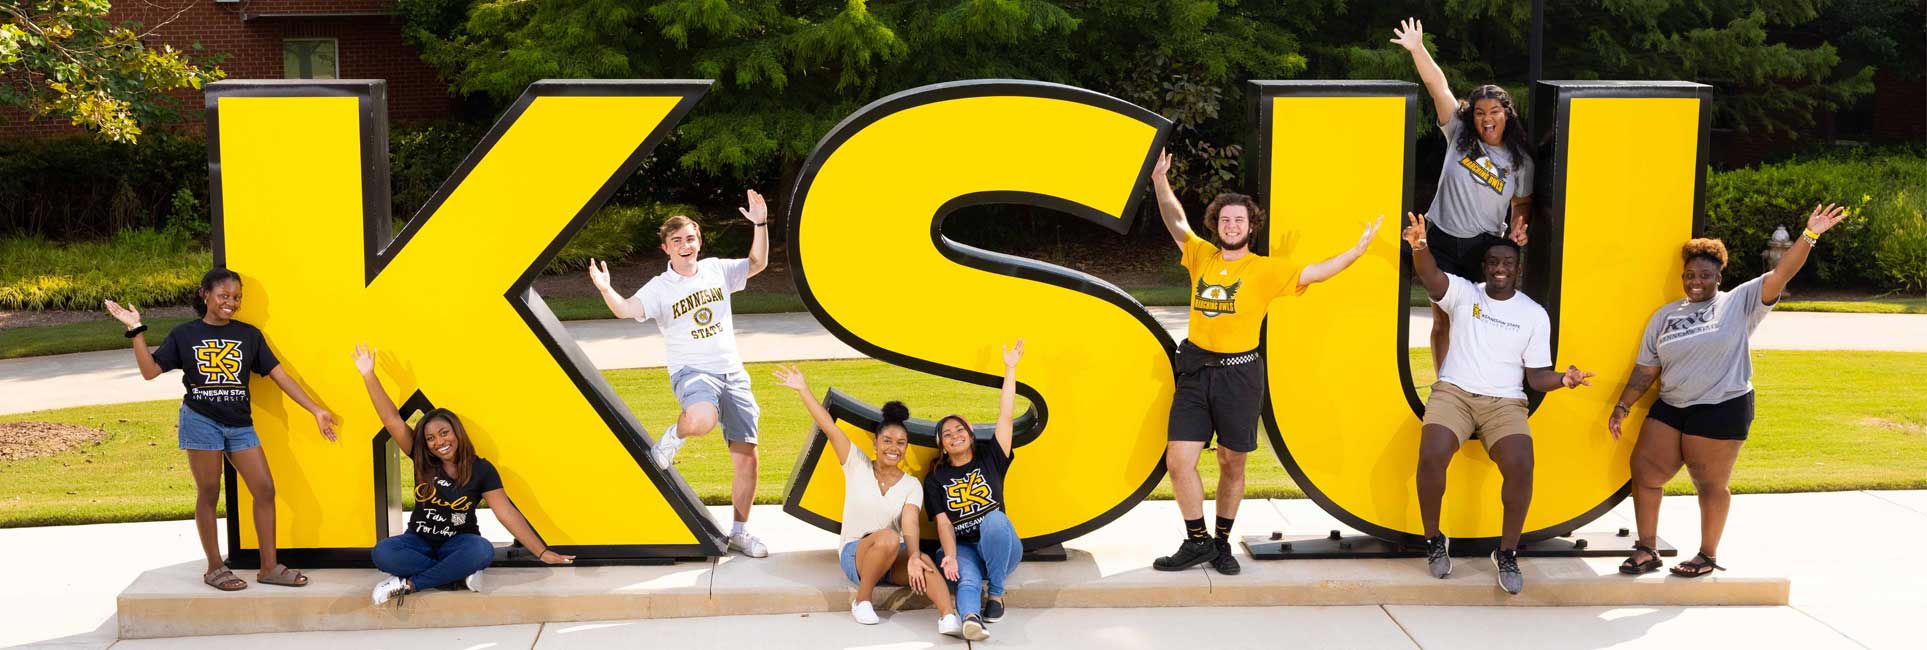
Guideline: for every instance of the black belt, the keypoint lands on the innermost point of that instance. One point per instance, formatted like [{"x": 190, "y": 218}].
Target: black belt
[{"x": 1191, "y": 358}]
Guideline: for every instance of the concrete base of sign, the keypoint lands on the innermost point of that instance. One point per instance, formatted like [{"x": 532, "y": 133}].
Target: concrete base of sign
[{"x": 1107, "y": 568}]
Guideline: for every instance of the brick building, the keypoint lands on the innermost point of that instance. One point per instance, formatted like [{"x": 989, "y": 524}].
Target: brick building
[{"x": 280, "y": 39}]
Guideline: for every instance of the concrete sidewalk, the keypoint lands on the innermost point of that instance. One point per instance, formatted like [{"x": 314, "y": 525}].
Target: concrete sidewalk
[
  {"x": 110, "y": 377},
  {"x": 1860, "y": 594}
]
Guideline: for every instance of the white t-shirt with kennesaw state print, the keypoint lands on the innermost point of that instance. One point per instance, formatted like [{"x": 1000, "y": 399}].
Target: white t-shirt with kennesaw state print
[
  {"x": 1493, "y": 341},
  {"x": 693, "y": 314}
]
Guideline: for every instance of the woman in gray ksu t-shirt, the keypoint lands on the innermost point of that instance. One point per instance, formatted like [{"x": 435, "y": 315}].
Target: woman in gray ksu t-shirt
[{"x": 1697, "y": 348}]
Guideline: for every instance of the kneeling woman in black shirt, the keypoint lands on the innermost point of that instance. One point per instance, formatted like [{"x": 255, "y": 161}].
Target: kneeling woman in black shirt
[
  {"x": 964, "y": 494},
  {"x": 443, "y": 544}
]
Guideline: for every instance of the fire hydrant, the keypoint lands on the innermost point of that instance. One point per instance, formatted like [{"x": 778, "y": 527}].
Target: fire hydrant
[{"x": 1776, "y": 247}]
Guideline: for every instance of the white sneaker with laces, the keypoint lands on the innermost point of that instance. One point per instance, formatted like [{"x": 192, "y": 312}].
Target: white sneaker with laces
[
  {"x": 666, "y": 447},
  {"x": 949, "y": 625},
  {"x": 748, "y": 544},
  {"x": 865, "y": 613},
  {"x": 474, "y": 581},
  {"x": 389, "y": 589}
]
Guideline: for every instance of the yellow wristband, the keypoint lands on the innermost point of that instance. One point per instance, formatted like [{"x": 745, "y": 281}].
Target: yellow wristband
[{"x": 1811, "y": 235}]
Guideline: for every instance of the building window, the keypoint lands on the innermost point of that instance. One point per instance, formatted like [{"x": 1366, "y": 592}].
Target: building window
[{"x": 309, "y": 58}]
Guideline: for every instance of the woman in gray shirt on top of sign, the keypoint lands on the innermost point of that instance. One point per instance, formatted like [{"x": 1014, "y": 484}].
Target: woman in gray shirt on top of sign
[
  {"x": 1485, "y": 186},
  {"x": 1697, "y": 349}
]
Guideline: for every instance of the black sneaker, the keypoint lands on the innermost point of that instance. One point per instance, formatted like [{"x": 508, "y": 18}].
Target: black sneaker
[
  {"x": 1191, "y": 553},
  {"x": 1510, "y": 578},
  {"x": 1438, "y": 556},
  {"x": 993, "y": 611},
  {"x": 1226, "y": 563}
]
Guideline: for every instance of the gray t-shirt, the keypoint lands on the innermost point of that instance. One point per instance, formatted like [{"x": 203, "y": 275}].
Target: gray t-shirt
[
  {"x": 1476, "y": 187},
  {"x": 1701, "y": 347}
]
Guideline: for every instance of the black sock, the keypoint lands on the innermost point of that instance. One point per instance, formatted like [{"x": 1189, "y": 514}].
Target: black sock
[
  {"x": 1224, "y": 527},
  {"x": 1194, "y": 529}
]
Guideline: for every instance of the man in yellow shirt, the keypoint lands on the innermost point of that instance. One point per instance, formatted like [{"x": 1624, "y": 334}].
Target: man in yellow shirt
[{"x": 1221, "y": 375}]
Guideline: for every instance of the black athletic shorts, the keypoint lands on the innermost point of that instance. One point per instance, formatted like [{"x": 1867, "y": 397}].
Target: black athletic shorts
[
  {"x": 1463, "y": 257},
  {"x": 1224, "y": 399},
  {"x": 1728, "y": 420}
]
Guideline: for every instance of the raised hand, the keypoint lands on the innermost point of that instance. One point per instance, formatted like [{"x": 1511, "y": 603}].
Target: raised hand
[
  {"x": 365, "y": 359},
  {"x": 326, "y": 421},
  {"x": 1371, "y": 230},
  {"x": 758, "y": 211},
  {"x": 1414, "y": 232},
  {"x": 126, "y": 315},
  {"x": 1821, "y": 219},
  {"x": 1410, "y": 34},
  {"x": 1575, "y": 377},
  {"x": 599, "y": 274},
  {"x": 792, "y": 378},
  {"x": 1012, "y": 353},
  {"x": 1162, "y": 169},
  {"x": 1518, "y": 234}
]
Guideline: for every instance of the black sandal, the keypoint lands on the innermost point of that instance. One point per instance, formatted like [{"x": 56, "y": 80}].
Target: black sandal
[
  {"x": 1698, "y": 566},
  {"x": 1652, "y": 563}
]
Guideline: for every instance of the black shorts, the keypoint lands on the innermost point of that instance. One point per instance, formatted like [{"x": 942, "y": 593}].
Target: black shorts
[
  {"x": 1728, "y": 420},
  {"x": 1224, "y": 399},
  {"x": 1463, "y": 257}
]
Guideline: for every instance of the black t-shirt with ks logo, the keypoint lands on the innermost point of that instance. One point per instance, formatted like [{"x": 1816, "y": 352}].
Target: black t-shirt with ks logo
[
  {"x": 969, "y": 492},
  {"x": 214, "y": 361}
]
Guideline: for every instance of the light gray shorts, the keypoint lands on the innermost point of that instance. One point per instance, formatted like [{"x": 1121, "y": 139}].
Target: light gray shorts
[{"x": 736, "y": 407}]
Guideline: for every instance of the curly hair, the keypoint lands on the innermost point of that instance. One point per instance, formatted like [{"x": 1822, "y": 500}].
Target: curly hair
[
  {"x": 1516, "y": 142},
  {"x": 1257, "y": 216},
  {"x": 1712, "y": 250}
]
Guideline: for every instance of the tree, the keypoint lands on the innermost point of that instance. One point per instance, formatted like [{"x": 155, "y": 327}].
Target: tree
[{"x": 67, "y": 58}]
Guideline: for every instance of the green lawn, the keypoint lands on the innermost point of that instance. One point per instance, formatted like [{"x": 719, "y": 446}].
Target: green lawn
[{"x": 1826, "y": 421}]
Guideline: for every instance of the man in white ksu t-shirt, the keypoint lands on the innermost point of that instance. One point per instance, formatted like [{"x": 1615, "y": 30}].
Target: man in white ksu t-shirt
[
  {"x": 1501, "y": 343},
  {"x": 690, "y": 304}
]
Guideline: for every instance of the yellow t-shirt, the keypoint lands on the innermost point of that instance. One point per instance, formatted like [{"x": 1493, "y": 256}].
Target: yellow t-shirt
[{"x": 1228, "y": 299}]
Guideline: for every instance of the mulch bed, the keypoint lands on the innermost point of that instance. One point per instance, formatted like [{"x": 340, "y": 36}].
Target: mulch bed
[{"x": 23, "y": 440}]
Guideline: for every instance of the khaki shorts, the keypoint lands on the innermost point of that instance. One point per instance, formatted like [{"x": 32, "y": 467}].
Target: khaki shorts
[{"x": 1493, "y": 418}]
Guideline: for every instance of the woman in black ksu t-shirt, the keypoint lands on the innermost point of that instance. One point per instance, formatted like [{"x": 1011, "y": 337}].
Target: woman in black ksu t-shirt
[
  {"x": 215, "y": 355},
  {"x": 443, "y": 544},
  {"x": 964, "y": 494}
]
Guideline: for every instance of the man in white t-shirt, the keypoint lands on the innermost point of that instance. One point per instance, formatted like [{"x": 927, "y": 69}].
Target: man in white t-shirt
[
  {"x": 1501, "y": 342},
  {"x": 690, "y": 304}
]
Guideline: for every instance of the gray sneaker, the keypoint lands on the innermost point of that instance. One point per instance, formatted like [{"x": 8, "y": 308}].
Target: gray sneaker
[
  {"x": 1438, "y": 556},
  {"x": 1510, "y": 578}
]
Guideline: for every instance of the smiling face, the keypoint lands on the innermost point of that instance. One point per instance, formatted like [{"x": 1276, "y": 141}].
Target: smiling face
[
  {"x": 222, "y": 300},
  {"x": 1489, "y": 117},
  {"x": 1701, "y": 279},
  {"x": 892, "y": 441},
  {"x": 954, "y": 435},
  {"x": 1234, "y": 226},
  {"x": 682, "y": 245},
  {"x": 441, "y": 440},
  {"x": 1501, "y": 269}
]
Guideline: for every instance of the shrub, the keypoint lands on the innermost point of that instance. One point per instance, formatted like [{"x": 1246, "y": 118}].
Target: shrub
[
  {"x": 616, "y": 231},
  {"x": 1901, "y": 254},
  {"x": 1744, "y": 206},
  {"x": 139, "y": 266}
]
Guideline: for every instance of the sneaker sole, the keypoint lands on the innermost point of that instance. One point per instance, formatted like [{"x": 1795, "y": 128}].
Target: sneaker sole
[
  {"x": 1500, "y": 578},
  {"x": 975, "y": 632}
]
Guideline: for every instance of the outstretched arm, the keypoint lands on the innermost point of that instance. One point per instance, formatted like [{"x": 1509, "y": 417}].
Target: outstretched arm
[
  {"x": 1323, "y": 271},
  {"x": 792, "y": 378},
  {"x": 1545, "y": 380},
  {"x": 758, "y": 214},
  {"x": 1636, "y": 389},
  {"x": 322, "y": 418},
  {"x": 517, "y": 525},
  {"x": 398, "y": 429},
  {"x": 1168, "y": 206},
  {"x": 1822, "y": 219},
  {"x": 1410, "y": 35},
  {"x": 143, "y": 357},
  {"x": 1422, "y": 262},
  {"x": 1007, "y": 402},
  {"x": 599, "y": 276}
]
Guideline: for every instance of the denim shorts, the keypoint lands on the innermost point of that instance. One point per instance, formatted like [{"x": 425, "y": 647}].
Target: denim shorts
[
  {"x": 200, "y": 433},
  {"x": 847, "y": 557}
]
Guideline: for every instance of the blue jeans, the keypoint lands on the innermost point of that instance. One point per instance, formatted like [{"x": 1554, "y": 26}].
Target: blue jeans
[
  {"x": 984, "y": 565},
  {"x": 428, "y": 565},
  {"x": 198, "y": 432}
]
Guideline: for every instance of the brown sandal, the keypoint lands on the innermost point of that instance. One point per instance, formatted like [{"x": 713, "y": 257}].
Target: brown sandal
[
  {"x": 283, "y": 576},
  {"x": 224, "y": 580}
]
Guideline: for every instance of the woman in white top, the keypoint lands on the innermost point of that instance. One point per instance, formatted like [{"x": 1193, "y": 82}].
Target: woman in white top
[{"x": 880, "y": 503}]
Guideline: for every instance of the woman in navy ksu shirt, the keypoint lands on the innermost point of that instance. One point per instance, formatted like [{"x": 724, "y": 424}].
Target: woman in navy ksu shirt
[
  {"x": 443, "y": 544},
  {"x": 215, "y": 355},
  {"x": 964, "y": 494}
]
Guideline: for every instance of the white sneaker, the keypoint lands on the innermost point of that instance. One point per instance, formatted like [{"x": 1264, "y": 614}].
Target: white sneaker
[
  {"x": 865, "y": 613},
  {"x": 949, "y": 625},
  {"x": 748, "y": 544},
  {"x": 389, "y": 589},
  {"x": 666, "y": 447},
  {"x": 474, "y": 581}
]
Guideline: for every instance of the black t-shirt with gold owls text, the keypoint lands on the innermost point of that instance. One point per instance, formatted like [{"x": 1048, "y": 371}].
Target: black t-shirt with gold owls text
[
  {"x": 444, "y": 510},
  {"x": 214, "y": 361},
  {"x": 969, "y": 492}
]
